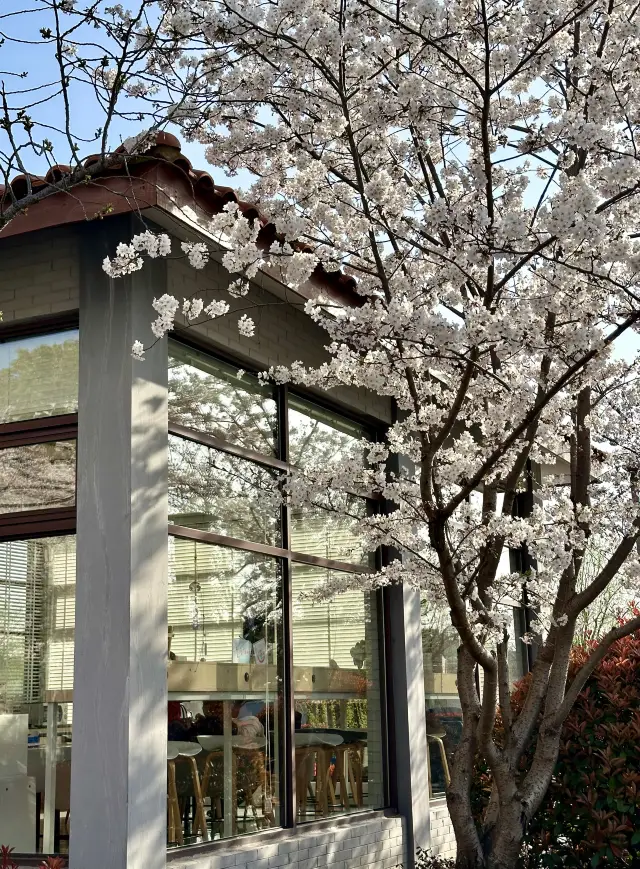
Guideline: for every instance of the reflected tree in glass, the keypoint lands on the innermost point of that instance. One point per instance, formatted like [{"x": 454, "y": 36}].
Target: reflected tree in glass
[
  {"x": 207, "y": 395},
  {"x": 37, "y": 476},
  {"x": 39, "y": 377},
  {"x": 214, "y": 491}
]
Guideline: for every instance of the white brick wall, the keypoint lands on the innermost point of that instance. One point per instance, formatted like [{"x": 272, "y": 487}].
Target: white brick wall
[
  {"x": 376, "y": 843},
  {"x": 39, "y": 274},
  {"x": 443, "y": 840}
]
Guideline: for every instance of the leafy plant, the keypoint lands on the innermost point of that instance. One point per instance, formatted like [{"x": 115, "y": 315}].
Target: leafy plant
[
  {"x": 591, "y": 814},
  {"x": 427, "y": 860},
  {"x": 7, "y": 861}
]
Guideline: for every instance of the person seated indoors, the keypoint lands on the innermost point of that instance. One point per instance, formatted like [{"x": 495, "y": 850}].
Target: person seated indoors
[
  {"x": 211, "y": 722},
  {"x": 248, "y": 718}
]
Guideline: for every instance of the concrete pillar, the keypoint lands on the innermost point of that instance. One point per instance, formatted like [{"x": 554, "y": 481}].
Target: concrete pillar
[
  {"x": 408, "y": 727},
  {"x": 119, "y": 766},
  {"x": 405, "y": 688}
]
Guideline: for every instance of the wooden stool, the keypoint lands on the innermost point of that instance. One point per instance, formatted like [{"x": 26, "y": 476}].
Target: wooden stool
[
  {"x": 438, "y": 737},
  {"x": 342, "y": 753},
  {"x": 355, "y": 761},
  {"x": 187, "y": 751},
  {"x": 174, "y": 822}
]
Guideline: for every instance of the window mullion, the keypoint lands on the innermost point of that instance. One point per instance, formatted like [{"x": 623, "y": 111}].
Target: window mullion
[{"x": 288, "y": 785}]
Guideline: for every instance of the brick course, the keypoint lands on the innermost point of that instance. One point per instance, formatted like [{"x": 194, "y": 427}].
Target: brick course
[
  {"x": 374, "y": 842},
  {"x": 39, "y": 274}
]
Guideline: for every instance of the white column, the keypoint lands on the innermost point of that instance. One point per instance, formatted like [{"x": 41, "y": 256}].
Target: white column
[
  {"x": 406, "y": 686},
  {"x": 119, "y": 763}
]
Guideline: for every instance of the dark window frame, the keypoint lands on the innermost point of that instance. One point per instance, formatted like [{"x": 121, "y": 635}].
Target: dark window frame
[{"x": 59, "y": 521}]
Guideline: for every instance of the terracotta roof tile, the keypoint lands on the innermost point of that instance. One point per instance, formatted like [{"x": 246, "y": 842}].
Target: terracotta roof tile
[{"x": 138, "y": 182}]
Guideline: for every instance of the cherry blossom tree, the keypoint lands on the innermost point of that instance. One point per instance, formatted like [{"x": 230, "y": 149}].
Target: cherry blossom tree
[{"x": 472, "y": 166}]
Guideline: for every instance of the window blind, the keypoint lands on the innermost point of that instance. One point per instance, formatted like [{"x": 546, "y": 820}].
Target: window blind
[{"x": 37, "y": 613}]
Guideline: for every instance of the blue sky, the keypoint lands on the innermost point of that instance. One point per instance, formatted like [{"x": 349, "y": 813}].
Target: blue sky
[{"x": 38, "y": 61}]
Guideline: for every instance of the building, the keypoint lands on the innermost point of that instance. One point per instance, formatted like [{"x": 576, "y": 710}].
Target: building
[{"x": 167, "y": 692}]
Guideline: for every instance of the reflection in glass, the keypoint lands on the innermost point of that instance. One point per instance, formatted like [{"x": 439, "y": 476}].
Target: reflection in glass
[
  {"x": 38, "y": 476},
  {"x": 440, "y": 643},
  {"x": 207, "y": 395},
  {"x": 37, "y": 594},
  {"x": 516, "y": 652},
  {"x": 444, "y": 729},
  {"x": 39, "y": 376},
  {"x": 337, "y": 698},
  {"x": 213, "y": 491},
  {"x": 321, "y": 438},
  {"x": 225, "y": 714},
  {"x": 330, "y": 531},
  {"x": 439, "y": 649}
]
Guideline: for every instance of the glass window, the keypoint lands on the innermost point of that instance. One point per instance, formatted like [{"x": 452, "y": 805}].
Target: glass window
[
  {"x": 440, "y": 643},
  {"x": 443, "y": 712},
  {"x": 214, "y": 491},
  {"x": 225, "y": 692},
  {"x": 517, "y": 650},
  {"x": 444, "y": 729},
  {"x": 329, "y": 530},
  {"x": 37, "y": 594},
  {"x": 318, "y": 437},
  {"x": 337, "y": 698},
  {"x": 207, "y": 395},
  {"x": 39, "y": 376},
  {"x": 38, "y": 476}
]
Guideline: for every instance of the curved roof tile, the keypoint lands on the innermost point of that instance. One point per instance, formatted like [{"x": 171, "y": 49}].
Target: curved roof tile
[{"x": 164, "y": 151}]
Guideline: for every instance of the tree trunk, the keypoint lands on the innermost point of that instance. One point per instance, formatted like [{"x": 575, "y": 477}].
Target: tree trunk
[
  {"x": 502, "y": 851},
  {"x": 508, "y": 837}
]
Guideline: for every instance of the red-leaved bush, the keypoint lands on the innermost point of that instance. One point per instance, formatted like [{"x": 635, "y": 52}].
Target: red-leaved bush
[
  {"x": 591, "y": 814},
  {"x": 7, "y": 861}
]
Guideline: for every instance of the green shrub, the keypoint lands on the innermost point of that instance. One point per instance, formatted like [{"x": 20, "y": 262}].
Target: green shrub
[{"x": 591, "y": 814}]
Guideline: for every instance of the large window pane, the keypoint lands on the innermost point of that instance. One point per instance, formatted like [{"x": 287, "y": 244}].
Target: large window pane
[
  {"x": 225, "y": 690},
  {"x": 39, "y": 376},
  {"x": 320, "y": 438},
  {"x": 440, "y": 643},
  {"x": 329, "y": 530},
  {"x": 37, "y": 613},
  {"x": 337, "y": 698},
  {"x": 37, "y": 476},
  {"x": 208, "y": 395},
  {"x": 213, "y": 491},
  {"x": 443, "y": 714}
]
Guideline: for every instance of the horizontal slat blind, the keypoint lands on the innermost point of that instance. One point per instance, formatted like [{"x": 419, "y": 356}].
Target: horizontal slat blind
[
  {"x": 212, "y": 589},
  {"x": 61, "y": 609},
  {"x": 325, "y": 632},
  {"x": 13, "y": 599},
  {"x": 37, "y": 596}
]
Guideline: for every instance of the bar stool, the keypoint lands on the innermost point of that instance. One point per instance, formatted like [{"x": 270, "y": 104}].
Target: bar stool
[
  {"x": 322, "y": 746},
  {"x": 437, "y": 736},
  {"x": 188, "y": 751}
]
